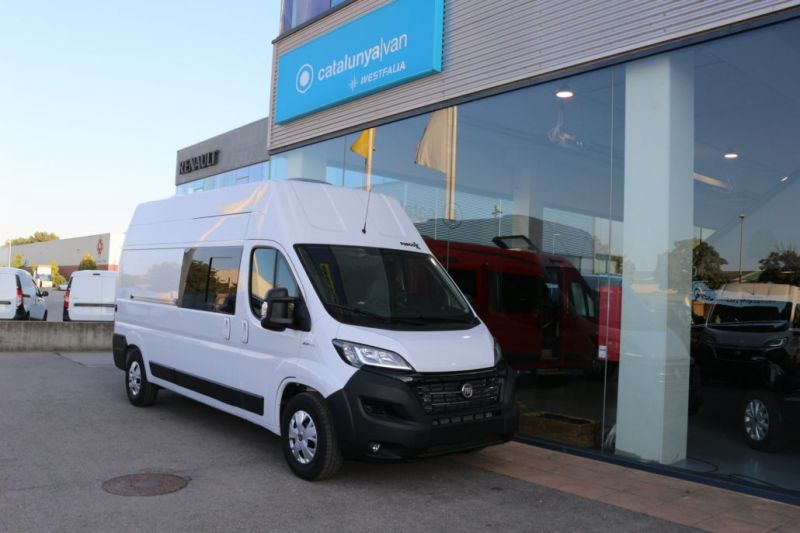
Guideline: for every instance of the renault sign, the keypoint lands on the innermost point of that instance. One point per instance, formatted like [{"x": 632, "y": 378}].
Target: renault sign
[{"x": 397, "y": 43}]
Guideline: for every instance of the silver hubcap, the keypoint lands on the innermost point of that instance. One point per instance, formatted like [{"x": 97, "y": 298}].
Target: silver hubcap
[
  {"x": 135, "y": 378},
  {"x": 756, "y": 420},
  {"x": 302, "y": 437}
]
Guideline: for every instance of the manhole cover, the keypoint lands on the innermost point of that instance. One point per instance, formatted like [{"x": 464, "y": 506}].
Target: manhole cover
[{"x": 144, "y": 484}]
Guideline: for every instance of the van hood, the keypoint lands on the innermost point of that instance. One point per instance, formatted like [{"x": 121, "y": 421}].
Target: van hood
[{"x": 430, "y": 351}]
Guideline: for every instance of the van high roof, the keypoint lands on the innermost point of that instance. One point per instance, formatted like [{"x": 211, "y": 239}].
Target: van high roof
[{"x": 287, "y": 211}]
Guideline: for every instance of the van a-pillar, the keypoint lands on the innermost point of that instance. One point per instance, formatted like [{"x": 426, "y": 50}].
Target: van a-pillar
[{"x": 659, "y": 198}]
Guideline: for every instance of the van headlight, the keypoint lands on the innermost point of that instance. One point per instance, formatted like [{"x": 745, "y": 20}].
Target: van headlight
[
  {"x": 775, "y": 343},
  {"x": 359, "y": 355}
]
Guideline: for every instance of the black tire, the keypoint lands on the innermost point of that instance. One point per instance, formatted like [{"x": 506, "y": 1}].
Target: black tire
[
  {"x": 141, "y": 392},
  {"x": 762, "y": 420},
  {"x": 323, "y": 459},
  {"x": 44, "y": 318}
]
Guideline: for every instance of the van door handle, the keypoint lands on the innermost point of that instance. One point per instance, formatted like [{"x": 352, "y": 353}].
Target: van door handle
[
  {"x": 226, "y": 328},
  {"x": 245, "y": 332}
]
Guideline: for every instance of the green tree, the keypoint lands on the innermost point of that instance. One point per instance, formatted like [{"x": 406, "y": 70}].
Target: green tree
[
  {"x": 781, "y": 266},
  {"x": 58, "y": 279},
  {"x": 18, "y": 261},
  {"x": 707, "y": 265},
  {"x": 87, "y": 263},
  {"x": 39, "y": 236}
]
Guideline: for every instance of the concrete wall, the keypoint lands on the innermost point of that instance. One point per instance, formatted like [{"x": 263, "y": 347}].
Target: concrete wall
[{"x": 55, "y": 336}]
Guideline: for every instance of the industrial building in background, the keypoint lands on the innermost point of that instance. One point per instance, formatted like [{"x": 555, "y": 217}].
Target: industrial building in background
[{"x": 104, "y": 248}]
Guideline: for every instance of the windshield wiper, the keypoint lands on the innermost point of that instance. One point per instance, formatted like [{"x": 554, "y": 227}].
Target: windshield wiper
[
  {"x": 357, "y": 311},
  {"x": 422, "y": 319}
]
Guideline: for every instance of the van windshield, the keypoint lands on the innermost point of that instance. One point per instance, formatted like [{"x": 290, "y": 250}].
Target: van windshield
[
  {"x": 729, "y": 312},
  {"x": 383, "y": 288}
]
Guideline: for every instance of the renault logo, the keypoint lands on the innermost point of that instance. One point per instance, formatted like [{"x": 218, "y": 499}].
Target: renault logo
[{"x": 466, "y": 390}]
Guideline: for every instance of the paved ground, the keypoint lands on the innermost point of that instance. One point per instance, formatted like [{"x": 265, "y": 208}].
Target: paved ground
[
  {"x": 55, "y": 305},
  {"x": 66, "y": 426}
]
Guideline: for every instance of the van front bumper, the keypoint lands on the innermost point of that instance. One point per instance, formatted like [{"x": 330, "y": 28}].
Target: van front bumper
[{"x": 391, "y": 415}]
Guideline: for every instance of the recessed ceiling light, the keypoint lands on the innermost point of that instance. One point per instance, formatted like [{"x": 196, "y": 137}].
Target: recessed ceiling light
[
  {"x": 565, "y": 93},
  {"x": 731, "y": 155},
  {"x": 784, "y": 179}
]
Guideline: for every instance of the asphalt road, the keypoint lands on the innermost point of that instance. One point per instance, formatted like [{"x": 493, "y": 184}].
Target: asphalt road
[{"x": 66, "y": 426}]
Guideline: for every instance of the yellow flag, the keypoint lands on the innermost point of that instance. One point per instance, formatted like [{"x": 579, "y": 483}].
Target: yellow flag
[{"x": 363, "y": 145}]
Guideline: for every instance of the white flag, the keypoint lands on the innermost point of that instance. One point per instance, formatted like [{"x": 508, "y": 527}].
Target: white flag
[{"x": 437, "y": 147}]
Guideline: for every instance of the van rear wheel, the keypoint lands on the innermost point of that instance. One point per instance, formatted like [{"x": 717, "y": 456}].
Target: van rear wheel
[
  {"x": 762, "y": 420},
  {"x": 309, "y": 439},
  {"x": 141, "y": 392}
]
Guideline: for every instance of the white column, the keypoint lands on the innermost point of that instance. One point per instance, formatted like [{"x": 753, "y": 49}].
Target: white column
[{"x": 652, "y": 403}]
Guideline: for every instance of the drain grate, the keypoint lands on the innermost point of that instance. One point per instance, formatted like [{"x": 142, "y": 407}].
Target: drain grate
[{"x": 145, "y": 484}]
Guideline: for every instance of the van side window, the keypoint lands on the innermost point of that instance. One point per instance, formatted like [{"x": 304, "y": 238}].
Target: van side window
[
  {"x": 517, "y": 293},
  {"x": 581, "y": 300},
  {"x": 268, "y": 270},
  {"x": 209, "y": 279}
]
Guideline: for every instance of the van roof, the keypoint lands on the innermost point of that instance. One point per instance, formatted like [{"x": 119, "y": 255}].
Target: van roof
[
  {"x": 760, "y": 291},
  {"x": 88, "y": 273},
  {"x": 12, "y": 270},
  {"x": 286, "y": 211}
]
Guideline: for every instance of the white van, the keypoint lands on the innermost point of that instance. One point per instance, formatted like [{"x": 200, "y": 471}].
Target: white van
[
  {"x": 90, "y": 296},
  {"x": 314, "y": 311},
  {"x": 20, "y": 298}
]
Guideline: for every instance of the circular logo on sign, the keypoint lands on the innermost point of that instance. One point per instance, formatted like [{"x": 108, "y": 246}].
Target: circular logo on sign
[
  {"x": 305, "y": 77},
  {"x": 466, "y": 390}
]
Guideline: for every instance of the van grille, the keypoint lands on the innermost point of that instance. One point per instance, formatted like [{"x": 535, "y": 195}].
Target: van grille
[{"x": 444, "y": 393}]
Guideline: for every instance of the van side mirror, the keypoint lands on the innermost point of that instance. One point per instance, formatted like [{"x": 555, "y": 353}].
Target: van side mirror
[
  {"x": 280, "y": 310},
  {"x": 284, "y": 311},
  {"x": 45, "y": 293}
]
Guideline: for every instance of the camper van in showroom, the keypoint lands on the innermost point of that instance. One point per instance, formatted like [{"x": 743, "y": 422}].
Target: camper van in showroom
[{"x": 314, "y": 311}]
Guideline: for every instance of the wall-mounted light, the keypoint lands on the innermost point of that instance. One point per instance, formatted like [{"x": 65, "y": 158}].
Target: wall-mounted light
[
  {"x": 784, "y": 179},
  {"x": 565, "y": 93},
  {"x": 731, "y": 155}
]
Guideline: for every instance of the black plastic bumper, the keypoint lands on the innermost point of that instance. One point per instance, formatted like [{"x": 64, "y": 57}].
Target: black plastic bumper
[
  {"x": 119, "y": 345},
  {"x": 377, "y": 407}
]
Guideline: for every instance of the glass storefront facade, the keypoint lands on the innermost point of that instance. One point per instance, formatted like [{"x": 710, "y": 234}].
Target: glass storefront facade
[
  {"x": 296, "y": 12},
  {"x": 631, "y": 237},
  {"x": 239, "y": 176}
]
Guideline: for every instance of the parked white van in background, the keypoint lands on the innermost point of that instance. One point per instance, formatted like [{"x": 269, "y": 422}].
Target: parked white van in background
[
  {"x": 90, "y": 296},
  {"x": 314, "y": 311},
  {"x": 20, "y": 298}
]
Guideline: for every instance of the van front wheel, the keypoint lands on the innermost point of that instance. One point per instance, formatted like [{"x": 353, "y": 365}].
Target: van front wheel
[
  {"x": 141, "y": 392},
  {"x": 309, "y": 439}
]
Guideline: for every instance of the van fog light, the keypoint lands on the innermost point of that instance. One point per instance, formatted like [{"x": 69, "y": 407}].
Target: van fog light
[{"x": 374, "y": 447}]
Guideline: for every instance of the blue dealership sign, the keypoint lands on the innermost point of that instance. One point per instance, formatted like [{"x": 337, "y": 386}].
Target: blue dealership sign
[{"x": 394, "y": 44}]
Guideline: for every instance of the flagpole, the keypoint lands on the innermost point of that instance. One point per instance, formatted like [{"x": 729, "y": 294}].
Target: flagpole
[
  {"x": 450, "y": 181},
  {"x": 368, "y": 162}
]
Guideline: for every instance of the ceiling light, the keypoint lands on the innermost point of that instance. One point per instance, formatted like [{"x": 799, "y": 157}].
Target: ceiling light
[
  {"x": 784, "y": 179},
  {"x": 565, "y": 93},
  {"x": 731, "y": 155}
]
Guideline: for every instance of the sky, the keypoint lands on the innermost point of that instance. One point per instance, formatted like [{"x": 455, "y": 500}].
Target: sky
[{"x": 97, "y": 97}]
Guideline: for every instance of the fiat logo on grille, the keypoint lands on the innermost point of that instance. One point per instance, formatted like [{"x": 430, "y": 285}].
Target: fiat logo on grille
[{"x": 466, "y": 390}]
